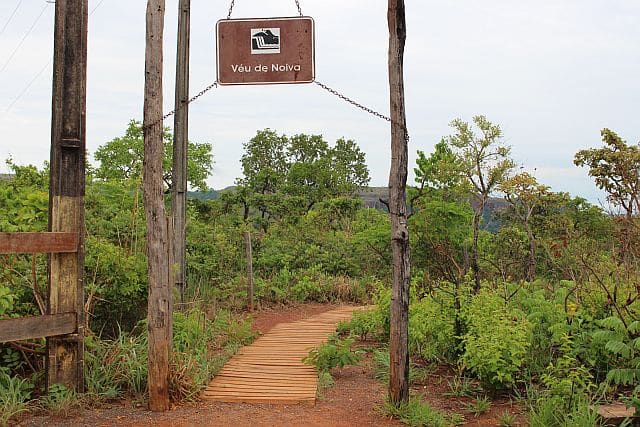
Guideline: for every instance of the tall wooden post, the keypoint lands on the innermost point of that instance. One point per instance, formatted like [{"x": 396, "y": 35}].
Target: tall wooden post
[
  {"x": 399, "y": 354},
  {"x": 180, "y": 144},
  {"x": 158, "y": 239},
  {"x": 66, "y": 192},
  {"x": 249, "y": 255}
]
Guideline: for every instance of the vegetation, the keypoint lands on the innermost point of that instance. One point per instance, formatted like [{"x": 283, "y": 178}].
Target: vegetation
[{"x": 519, "y": 290}]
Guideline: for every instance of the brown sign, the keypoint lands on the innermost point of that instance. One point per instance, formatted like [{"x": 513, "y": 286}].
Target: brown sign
[{"x": 263, "y": 51}]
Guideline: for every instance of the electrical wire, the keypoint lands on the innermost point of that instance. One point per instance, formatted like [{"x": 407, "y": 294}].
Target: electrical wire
[
  {"x": 24, "y": 91},
  {"x": 24, "y": 38},
  {"x": 6, "y": 24}
]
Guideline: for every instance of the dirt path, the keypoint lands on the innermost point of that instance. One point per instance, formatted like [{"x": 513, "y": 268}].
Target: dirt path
[{"x": 352, "y": 401}]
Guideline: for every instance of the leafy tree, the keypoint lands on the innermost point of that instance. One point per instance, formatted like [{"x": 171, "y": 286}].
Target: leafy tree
[
  {"x": 285, "y": 175},
  {"x": 485, "y": 163},
  {"x": 524, "y": 194},
  {"x": 616, "y": 170},
  {"x": 121, "y": 158}
]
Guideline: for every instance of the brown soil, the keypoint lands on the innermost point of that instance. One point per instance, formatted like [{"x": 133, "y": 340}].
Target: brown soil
[
  {"x": 350, "y": 402},
  {"x": 353, "y": 400}
]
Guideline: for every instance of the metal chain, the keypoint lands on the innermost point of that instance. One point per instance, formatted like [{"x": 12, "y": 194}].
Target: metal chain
[
  {"x": 233, "y": 3},
  {"x": 363, "y": 108},
  {"x": 183, "y": 105}
]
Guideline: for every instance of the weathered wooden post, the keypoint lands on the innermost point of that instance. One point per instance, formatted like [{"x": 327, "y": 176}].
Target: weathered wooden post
[
  {"x": 158, "y": 239},
  {"x": 249, "y": 255},
  {"x": 180, "y": 146},
  {"x": 399, "y": 354},
  {"x": 66, "y": 192}
]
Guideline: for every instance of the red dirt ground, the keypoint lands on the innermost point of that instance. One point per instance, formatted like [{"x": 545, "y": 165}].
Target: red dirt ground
[{"x": 352, "y": 401}]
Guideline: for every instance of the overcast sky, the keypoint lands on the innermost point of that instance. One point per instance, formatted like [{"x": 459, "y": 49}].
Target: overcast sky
[{"x": 552, "y": 73}]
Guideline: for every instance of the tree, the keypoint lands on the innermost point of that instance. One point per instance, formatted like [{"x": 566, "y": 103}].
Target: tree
[
  {"x": 121, "y": 158},
  {"x": 485, "y": 163},
  {"x": 524, "y": 194},
  {"x": 616, "y": 170},
  {"x": 285, "y": 175}
]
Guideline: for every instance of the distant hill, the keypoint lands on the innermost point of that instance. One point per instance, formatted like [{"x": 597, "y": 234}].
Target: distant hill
[{"x": 371, "y": 199}]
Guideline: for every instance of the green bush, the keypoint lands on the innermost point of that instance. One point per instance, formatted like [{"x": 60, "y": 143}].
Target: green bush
[
  {"x": 14, "y": 395},
  {"x": 497, "y": 340},
  {"x": 431, "y": 330},
  {"x": 334, "y": 353}
]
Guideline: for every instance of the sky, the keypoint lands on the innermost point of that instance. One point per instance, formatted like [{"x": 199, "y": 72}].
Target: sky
[{"x": 551, "y": 73}]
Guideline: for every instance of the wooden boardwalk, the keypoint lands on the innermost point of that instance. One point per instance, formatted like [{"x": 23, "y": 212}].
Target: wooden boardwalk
[{"x": 271, "y": 370}]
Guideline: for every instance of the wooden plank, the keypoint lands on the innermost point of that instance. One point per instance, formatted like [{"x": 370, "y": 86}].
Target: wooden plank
[
  {"x": 36, "y": 243},
  {"x": 26, "y": 328},
  {"x": 271, "y": 369}
]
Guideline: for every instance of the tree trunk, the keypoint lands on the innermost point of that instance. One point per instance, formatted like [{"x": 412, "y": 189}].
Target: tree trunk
[
  {"x": 531, "y": 262},
  {"x": 247, "y": 244},
  {"x": 399, "y": 354},
  {"x": 475, "y": 264},
  {"x": 158, "y": 246}
]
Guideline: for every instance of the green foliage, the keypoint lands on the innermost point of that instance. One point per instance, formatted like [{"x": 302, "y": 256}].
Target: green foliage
[
  {"x": 362, "y": 324},
  {"x": 200, "y": 347},
  {"x": 507, "y": 419},
  {"x": 496, "y": 342},
  {"x": 6, "y": 301},
  {"x": 60, "y": 400},
  {"x": 14, "y": 395},
  {"x": 545, "y": 413},
  {"x": 325, "y": 382},
  {"x": 615, "y": 168},
  {"x": 623, "y": 341},
  {"x": 334, "y": 353},
  {"x": 431, "y": 329},
  {"x": 121, "y": 158},
  {"x": 461, "y": 386},
  {"x": 479, "y": 406},
  {"x": 420, "y": 414}
]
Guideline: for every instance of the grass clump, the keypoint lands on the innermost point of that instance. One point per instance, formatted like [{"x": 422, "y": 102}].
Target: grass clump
[
  {"x": 417, "y": 413},
  {"x": 14, "y": 396}
]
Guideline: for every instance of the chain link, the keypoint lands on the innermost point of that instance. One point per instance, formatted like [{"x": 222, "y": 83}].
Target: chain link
[
  {"x": 363, "y": 108},
  {"x": 183, "y": 105},
  {"x": 233, "y": 3}
]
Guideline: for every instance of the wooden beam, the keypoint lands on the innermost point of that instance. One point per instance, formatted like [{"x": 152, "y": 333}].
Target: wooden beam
[
  {"x": 38, "y": 243},
  {"x": 27, "y": 328},
  {"x": 65, "y": 363}
]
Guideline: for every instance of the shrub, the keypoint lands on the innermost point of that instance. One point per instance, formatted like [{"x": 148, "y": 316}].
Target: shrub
[
  {"x": 332, "y": 354},
  {"x": 431, "y": 330},
  {"x": 14, "y": 394},
  {"x": 497, "y": 340}
]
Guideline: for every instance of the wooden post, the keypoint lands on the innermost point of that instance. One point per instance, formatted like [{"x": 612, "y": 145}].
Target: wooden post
[
  {"x": 399, "y": 354},
  {"x": 180, "y": 144},
  {"x": 248, "y": 249},
  {"x": 66, "y": 191},
  {"x": 158, "y": 239}
]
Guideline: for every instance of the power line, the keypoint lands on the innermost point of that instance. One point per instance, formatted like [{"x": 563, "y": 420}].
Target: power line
[
  {"x": 24, "y": 38},
  {"x": 17, "y": 98},
  {"x": 6, "y": 24},
  {"x": 24, "y": 91},
  {"x": 94, "y": 9}
]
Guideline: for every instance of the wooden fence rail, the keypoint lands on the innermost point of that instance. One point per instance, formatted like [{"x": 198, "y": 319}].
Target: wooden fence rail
[
  {"x": 27, "y": 328},
  {"x": 31, "y": 243}
]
